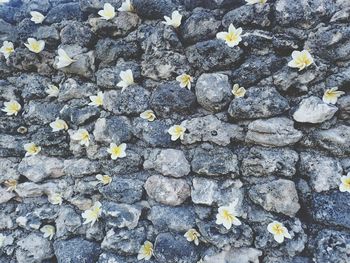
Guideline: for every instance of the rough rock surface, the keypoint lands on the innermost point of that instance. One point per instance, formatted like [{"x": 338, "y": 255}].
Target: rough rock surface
[{"x": 276, "y": 153}]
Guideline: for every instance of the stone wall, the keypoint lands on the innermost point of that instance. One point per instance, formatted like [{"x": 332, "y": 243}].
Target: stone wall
[{"x": 276, "y": 154}]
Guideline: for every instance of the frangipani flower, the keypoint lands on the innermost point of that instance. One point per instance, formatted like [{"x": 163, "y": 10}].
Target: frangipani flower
[
  {"x": 82, "y": 136},
  {"x": 300, "y": 59},
  {"x": 232, "y": 37},
  {"x": 345, "y": 183},
  {"x": 31, "y": 149},
  {"x": 92, "y": 215},
  {"x": 146, "y": 251},
  {"x": 185, "y": 80},
  {"x": 58, "y": 125},
  {"x": 34, "y": 45},
  {"x": 52, "y": 91},
  {"x": 126, "y": 7},
  {"x": 279, "y": 231},
  {"x": 252, "y": 2},
  {"x": 7, "y": 49},
  {"x": 117, "y": 151},
  {"x": 48, "y": 231},
  {"x": 37, "y": 17},
  {"x": 192, "y": 235},
  {"x": 108, "y": 11},
  {"x": 63, "y": 59},
  {"x": 2, "y": 240},
  {"x": 55, "y": 198},
  {"x": 226, "y": 217},
  {"x": 238, "y": 91},
  {"x": 12, "y": 107},
  {"x": 176, "y": 132},
  {"x": 174, "y": 21},
  {"x": 104, "y": 179},
  {"x": 127, "y": 79},
  {"x": 331, "y": 95},
  {"x": 97, "y": 100},
  {"x": 148, "y": 115},
  {"x": 11, "y": 185}
]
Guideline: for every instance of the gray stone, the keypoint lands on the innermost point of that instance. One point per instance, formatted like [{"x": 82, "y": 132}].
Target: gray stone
[
  {"x": 335, "y": 140},
  {"x": 278, "y": 131},
  {"x": 154, "y": 9},
  {"x": 218, "y": 192},
  {"x": 113, "y": 129},
  {"x": 129, "y": 164},
  {"x": 33, "y": 248},
  {"x": 259, "y": 102},
  {"x": 92, "y": 6},
  {"x": 76, "y": 33},
  {"x": 168, "y": 162},
  {"x": 331, "y": 209},
  {"x": 344, "y": 107},
  {"x": 110, "y": 257},
  {"x": 210, "y": 129},
  {"x": 213, "y": 91},
  {"x": 123, "y": 241},
  {"x": 179, "y": 219},
  {"x": 201, "y": 25},
  {"x": 164, "y": 65},
  {"x": 314, "y": 110},
  {"x": 37, "y": 168},
  {"x": 213, "y": 55},
  {"x": 133, "y": 100},
  {"x": 67, "y": 222},
  {"x": 248, "y": 15},
  {"x": 331, "y": 240},
  {"x": 174, "y": 248},
  {"x": 76, "y": 250},
  {"x": 79, "y": 115},
  {"x": 270, "y": 161},
  {"x": 123, "y": 190},
  {"x": 170, "y": 98},
  {"x": 235, "y": 255},
  {"x": 277, "y": 196},
  {"x": 121, "y": 215},
  {"x": 72, "y": 89},
  {"x": 5, "y": 195},
  {"x": 167, "y": 191},
  {"x": 65, "y": 11},
  {"x": 322, "y": 171},
  {"x": 80, "y": 167},
  {"x": 41, "y": 112},
  {"x": 8, "y": 169},
  {"x": 214, "y": 161},
  {"x": 154, "y": 133}
]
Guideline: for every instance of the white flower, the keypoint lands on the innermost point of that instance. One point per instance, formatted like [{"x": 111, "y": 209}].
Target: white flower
[
  {"x": 146, "y": 251},
  {"x": 237, "y": 91},
  {"x": 108, "y": 12},
  {"x": 7, "y": 49},
  {"x": 4, "y": 1},
  {"x": 97, "y": 100},
  {"x": 252, "y": 2},
  {"x": 34, "y": 45},
  {"x": 2, "y": 240},
  {"x": 300, "y": 59},
  {"x": 185, "y": 80},
  {"x": 31, "y": 149},
  {"x": 127, "y": 79},
  {"x": 345, "y": 183},
  {"x": 176, "y": 132},
  {"x": 63, "y": 59},
  {"x": 55, "y": 198},
  {"x": 12, "y": 107},
  {"x": 192, "y": 235},
  {"x": 279, "y": 231},
  {"x": 148, "y": 115},
  {"x": 104, "y": 179},
  {"x": 37, "y": 17},
  {"x": 117, "y": 151},
  {"x": 226, "y": 217},
  {"x": 58, "y": 125},
  {"x": 331, "y": 95},
  {"x": 11, "y": 185},
  {"x": 174, "y": 21},
  {"x": 232, "y": 37},
  {"x": 52, "y": 91},
  {"x": 126, "y": 7},
  {"x": 92, "y": 215},
  {"x": 82, "y": 136},
  {"x": 48, "y": 231}
]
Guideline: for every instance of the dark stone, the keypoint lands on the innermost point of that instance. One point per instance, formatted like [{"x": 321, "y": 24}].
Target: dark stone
[
  {"x": 77, "y": 33},
  {"x": 67, "y": 11},
  {"x": 154, "y": 9}
]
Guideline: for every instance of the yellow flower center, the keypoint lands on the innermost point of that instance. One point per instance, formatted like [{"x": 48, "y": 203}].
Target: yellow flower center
[
  {"x": 228, "y": 216},
  {"x": 85, "y": 136},
  {"x": 178, "y": 130},
  {"x": 231, "y": 37},
  {"x": 9, "y": 49},
  {"x": 116, "y": 151},
  {"x": 303, "y": 60},
  {"x": 35, "y": 46},
  {"x": 277, "y": 229},
  {"x": 186, "y": 79},
  {"x": 148, "y": 249},
  {"x": 346, "y": 182}
]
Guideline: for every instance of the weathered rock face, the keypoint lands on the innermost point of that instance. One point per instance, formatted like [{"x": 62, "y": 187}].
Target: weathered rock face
[
  {"x": 314, "y": 110},
  {"x": 273, "y": 151}
]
